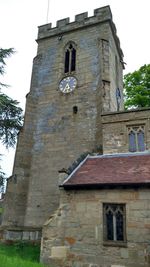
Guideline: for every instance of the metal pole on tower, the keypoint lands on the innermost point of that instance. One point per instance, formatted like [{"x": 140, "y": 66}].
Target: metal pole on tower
[{"x": 47, "y": 11}]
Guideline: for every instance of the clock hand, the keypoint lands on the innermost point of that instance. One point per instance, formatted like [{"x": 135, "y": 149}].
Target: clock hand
[{"x": 67, "y": 87}]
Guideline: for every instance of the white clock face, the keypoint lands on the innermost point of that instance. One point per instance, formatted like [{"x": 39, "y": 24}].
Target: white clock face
[{"x": 68, "y": 84}]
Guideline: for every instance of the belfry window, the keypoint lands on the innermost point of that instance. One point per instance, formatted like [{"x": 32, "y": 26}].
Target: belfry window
[
  {"x": 70, "y": 58},
  {"x": 136, "y": 138},
  {"x": 114, "y": 222}
]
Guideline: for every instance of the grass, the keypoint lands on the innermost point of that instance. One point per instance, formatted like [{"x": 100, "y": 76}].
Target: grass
[
  {"x": 17, "y": 262},
  {"x": 19, "y": 255}
]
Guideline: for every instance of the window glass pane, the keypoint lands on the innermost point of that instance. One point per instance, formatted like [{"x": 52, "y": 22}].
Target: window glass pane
[
  {"x": 73, "y": 60},
  {"x": 109, "y": 225},
  {"x": 141, "y": 146},
  {"x": 132, "y": 142},
  {"x": 67, "y": 55},
  {"x": 70, "y": 46},
  {"x": 119, "y": 226}
]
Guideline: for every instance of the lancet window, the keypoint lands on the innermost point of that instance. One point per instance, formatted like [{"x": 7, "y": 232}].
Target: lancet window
[{"x": 70, "y": 58}]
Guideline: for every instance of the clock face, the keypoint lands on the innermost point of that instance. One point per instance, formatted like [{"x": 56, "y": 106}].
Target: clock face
[{"x": 68, "y": 84}]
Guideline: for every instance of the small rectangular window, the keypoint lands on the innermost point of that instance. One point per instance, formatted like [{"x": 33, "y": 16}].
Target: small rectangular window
[{"x": 114, "y": 222}]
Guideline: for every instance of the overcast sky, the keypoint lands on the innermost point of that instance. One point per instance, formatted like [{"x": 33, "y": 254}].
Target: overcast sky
[{"x": 19, "y": 20}]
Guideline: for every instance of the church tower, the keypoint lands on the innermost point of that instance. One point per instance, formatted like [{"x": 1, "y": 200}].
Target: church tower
[{"x": 77, "y": 76}]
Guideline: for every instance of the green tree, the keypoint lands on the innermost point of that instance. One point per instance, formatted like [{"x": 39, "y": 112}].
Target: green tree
[
  {"x": 137, "y": 88},
  {"x": 2, "y": 180},
  {"x": 10, "y": 120},
  {"x": 10, "y": 113}
]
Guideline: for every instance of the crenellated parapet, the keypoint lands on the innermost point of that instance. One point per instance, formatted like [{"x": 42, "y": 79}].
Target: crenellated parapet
[
  {"x": 101, "y": 15},
  {"x": 81, "y": 20}
]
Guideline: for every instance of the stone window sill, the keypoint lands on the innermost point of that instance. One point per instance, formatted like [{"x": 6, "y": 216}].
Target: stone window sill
[{"x": 115, "y": 243}]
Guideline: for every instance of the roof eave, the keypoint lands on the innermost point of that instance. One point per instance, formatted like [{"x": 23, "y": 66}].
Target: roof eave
[{"x": 105, "y": 186}]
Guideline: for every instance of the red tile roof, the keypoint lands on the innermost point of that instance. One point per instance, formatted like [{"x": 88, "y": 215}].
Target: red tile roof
[{"x": 106, "y": 170}]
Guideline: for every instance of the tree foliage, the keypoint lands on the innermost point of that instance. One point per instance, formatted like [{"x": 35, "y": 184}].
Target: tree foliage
[
  {"x": 10, "y": 113},
  {"x": 2, "y": 180},
  {"x": 137, "y": 88},
  {"x": 10, "y": 120}
]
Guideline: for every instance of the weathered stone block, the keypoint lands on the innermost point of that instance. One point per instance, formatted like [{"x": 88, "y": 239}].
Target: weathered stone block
[
  {"x": 103, "y": 12},
  {"x": 13, "y": 235},
  {"x": 59, "y": 252},
  {"x": 124, "y": 253},
  {"x": 81, "y": 17},
  {"x": 26, "y": 235},
  {"x": 62, "y": 22}
]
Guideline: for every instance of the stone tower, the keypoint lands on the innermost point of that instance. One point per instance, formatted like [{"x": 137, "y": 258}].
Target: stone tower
[{"x": 77, "y": 75}]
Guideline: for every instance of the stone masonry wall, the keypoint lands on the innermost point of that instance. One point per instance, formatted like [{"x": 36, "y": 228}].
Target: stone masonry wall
[
  {"x": 115, "y": 135},
  {"x": 53, "y": 137},
  {"x": 74, "y": 235},
  {"x": 1, "y": 208},
  {"x": 60, "y": 136},
  {"x": 17, "y": 185}
]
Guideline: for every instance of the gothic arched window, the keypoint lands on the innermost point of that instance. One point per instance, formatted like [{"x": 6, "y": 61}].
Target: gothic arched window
[
  {"x": 114, "y": 222},
  {"x": 70, "y": 58},
  {"x": 136, "y": 138}
]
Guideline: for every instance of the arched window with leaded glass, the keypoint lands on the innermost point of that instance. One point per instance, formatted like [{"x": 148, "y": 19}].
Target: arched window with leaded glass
[
  {"x": 114, "y": 222},
  {"x": 70, "y": 58},
  {"x": 136, "y": 138}
]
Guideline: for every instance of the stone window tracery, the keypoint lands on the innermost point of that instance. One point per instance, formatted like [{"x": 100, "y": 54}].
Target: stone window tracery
[
  {"x": 70, "y": 58},
  {"x": 114, "y": 222},
  {"x": 136, "y": 138}
]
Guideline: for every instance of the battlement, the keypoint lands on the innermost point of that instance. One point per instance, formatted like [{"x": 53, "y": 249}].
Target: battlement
[
  {"x": 101, "y": 15},
  {"x": 81, "y": 20}
]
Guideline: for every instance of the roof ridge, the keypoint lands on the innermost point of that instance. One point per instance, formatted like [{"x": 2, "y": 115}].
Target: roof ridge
[{"x": 116, "y": 155}]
